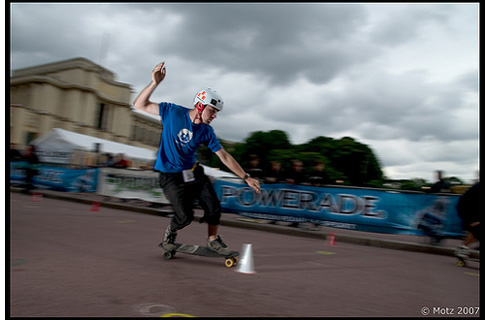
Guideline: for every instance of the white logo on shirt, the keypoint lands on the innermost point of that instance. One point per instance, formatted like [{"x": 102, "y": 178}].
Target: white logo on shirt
[{"x": 185, "y": 135}]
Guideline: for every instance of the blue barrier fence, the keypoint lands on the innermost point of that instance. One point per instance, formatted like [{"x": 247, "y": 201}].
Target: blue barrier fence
[
  {"x": 383, "y": 211},
  {"x": 57, "y": 178},
  {"x": 346, "y": 208}
]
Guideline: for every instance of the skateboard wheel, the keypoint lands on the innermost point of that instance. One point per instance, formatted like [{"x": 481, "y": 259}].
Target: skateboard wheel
[
  {"x": 460, "y": 263},
  {"x": 229, "y": 263},
  {"x": 236, "y": 260},
  {"x": 168, "y": 255}
]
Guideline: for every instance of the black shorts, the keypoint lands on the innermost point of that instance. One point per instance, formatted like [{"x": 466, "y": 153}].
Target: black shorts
[{"x": 182, "y": 196}]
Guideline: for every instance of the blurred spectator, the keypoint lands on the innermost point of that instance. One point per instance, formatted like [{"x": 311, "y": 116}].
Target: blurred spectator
[
  {"x": 121, "y": 162},
  {"x": 275, "y": 173},
  {"x": 15, "y": 154},
  {"x": 468, "y": 210},
  {"x": 32, "y": 167},
  {"x": 440, "y": 186},
  {"x": 254, "y": 169},
  {"x": 295, "y": 175},
  {"x": 110, "y": 161},
  {"x": 318, "y": 177}
]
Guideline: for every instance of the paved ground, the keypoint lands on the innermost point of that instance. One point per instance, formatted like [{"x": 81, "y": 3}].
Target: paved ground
[
  {"x": 69, "y": 261},
  {"x": 391, "y": 241}
]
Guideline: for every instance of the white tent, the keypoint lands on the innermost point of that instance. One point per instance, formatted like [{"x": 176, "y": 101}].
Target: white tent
[{"x": 58, "y": 146}]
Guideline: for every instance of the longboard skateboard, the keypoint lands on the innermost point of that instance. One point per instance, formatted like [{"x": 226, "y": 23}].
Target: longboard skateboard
[
  {"x": 462, "y": 261},
  {"x": 230, "y": 260}
]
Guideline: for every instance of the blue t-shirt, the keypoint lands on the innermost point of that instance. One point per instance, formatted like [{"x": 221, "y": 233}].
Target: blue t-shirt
[{"x": 181, "y": 138}]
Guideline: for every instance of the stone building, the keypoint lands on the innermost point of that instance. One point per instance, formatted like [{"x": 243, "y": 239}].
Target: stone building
[{"x": 79, "y": 96}]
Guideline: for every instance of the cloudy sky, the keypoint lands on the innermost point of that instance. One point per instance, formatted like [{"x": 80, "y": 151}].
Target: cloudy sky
[{"x": 401, "y": 78}]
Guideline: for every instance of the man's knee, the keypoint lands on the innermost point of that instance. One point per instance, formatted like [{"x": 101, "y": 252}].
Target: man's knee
[
  {"x": 213, "y": 217},
  {"x": 180, "y": 225},
  {"x": 184, "y": 215}
]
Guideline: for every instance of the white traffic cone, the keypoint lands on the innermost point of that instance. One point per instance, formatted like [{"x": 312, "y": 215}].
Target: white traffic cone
[{"x": 246, "y": 264}]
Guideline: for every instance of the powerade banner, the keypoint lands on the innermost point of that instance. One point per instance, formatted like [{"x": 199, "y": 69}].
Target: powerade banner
[
  {"x": 59, "y": 179},
  {"x": 345, "y": 208}
]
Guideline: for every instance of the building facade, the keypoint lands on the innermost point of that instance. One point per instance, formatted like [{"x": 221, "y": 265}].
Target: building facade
[{"x": 79, "y": 96}]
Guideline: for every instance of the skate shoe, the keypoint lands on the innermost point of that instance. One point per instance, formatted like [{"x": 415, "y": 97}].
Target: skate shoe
[
  {"x": 462, "y": 252},
  {"x": 218, "y": 246},
  {"x": 169, "y": 237}
]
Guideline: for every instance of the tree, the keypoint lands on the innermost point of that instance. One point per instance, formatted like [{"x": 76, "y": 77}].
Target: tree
[
  {"x": 261, "y": 144},
  {"x": 206, "y": 157},
  {"x": 415, "y": 184},
  {"x": 345, "y": 159}
]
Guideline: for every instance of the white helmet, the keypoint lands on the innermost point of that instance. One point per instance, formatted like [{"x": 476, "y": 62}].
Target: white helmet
[{"x": 209, "y": 97}]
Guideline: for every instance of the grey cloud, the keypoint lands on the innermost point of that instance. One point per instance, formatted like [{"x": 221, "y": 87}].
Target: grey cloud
[
  {"x": 309, "y": 69},
  {"x": 270, "y": 40},
  {"x": 404, "y": 22}
]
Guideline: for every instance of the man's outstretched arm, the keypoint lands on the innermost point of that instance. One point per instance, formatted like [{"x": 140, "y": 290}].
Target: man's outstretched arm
[
  {"x": 142, "y": 102},
  {"x": 232, "y": 164}
]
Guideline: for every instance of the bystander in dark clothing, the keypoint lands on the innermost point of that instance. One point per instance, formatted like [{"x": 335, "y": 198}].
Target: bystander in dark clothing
[
  {"x": 318, "y": 177},
  {"x": 32, "y": 167},
  {"x": 440, "y": 186},
  {"x": 254, "y": 170},
  {"x": 110, "y": 161},
  {"x": 295, "y": 174},
  {"x": 275, "y": 174},
  {"x": 15, "y": 154}
]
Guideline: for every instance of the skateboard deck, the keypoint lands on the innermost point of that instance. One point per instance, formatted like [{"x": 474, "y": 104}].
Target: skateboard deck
[{"x": 230, "y": 260}]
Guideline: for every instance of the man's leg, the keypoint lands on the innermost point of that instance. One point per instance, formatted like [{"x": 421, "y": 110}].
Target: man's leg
[
  {"x": 212, "y": 231},
  {"x": 472, "y": 236},
  {"x": 469, "y": 239},
  {"x": 212, "y": 215},
  {"x": 181, "y": 198}
]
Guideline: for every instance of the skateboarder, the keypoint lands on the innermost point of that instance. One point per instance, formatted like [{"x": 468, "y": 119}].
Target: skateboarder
[
  {"x": 468, "y": 210},
  {"x": 181, "y": 177}
]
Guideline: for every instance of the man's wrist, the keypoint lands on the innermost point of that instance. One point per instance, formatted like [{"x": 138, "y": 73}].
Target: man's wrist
[{"x": 246, "y": 176}]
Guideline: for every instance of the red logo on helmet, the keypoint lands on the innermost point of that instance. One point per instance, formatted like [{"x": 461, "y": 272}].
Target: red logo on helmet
[{"x": 201, "y": 95}]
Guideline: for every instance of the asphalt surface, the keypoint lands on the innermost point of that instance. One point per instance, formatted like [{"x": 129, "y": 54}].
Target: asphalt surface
[
  {"x": 72, "y": 259},
  {"x": 390, "y": 241}
]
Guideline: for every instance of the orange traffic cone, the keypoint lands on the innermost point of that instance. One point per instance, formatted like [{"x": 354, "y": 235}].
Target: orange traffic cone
[
  {"x": 95, "y": 206},
  {"x": 36, "y": 197}
]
